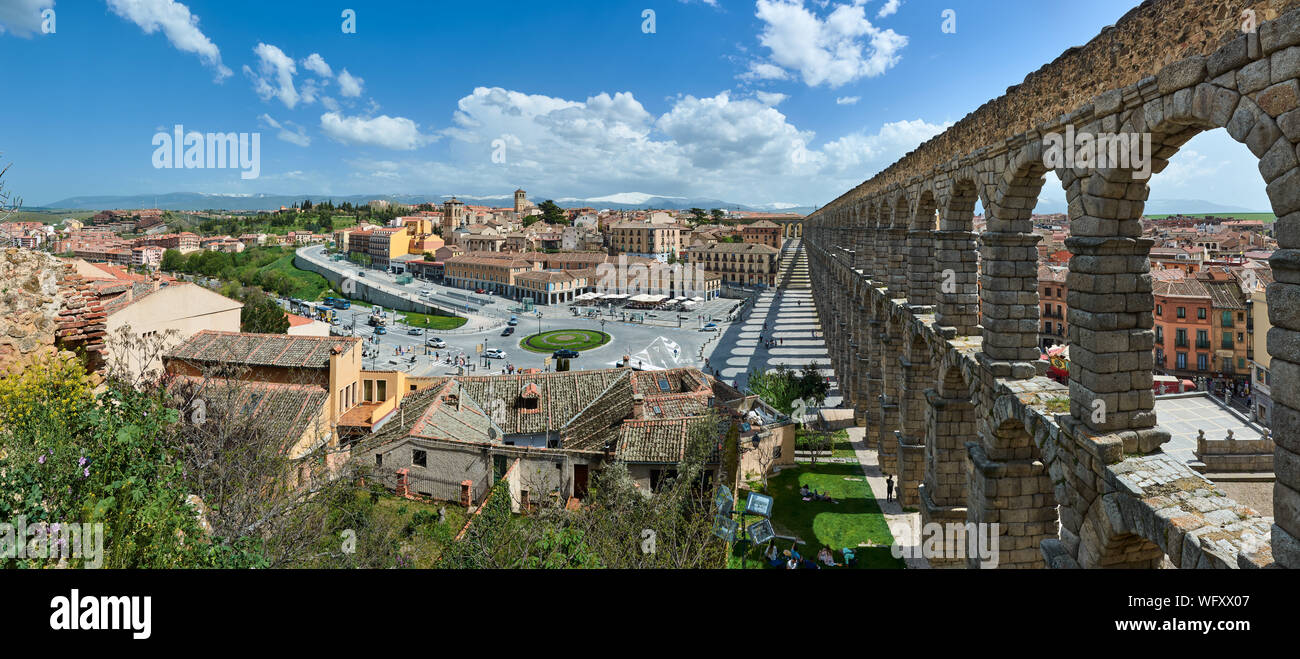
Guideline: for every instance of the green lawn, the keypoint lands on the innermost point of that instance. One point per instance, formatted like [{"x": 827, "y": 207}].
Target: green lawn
[
  {"x": 308, "y": 285},
  {"x": 415, "y": 318},
  {"x": 573, "y": 339},
  {"x": 854, "y": 520},
  {"x": 841, "y": 447}
]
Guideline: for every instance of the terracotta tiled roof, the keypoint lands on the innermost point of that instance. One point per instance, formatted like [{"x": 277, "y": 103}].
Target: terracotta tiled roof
[
  {"x": 1186, "y": 287},
  {"x": 246, "y": 349},
  {"x": 655, "y": 441},
  {"x": 281, "y": 409}
]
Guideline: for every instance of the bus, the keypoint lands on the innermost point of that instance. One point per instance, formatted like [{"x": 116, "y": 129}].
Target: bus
[
  {"x": 327, "y": 314},
  {"x": 337, "y": 303}
]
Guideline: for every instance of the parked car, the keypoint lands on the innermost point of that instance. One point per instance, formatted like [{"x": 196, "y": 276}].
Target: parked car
[
  {"x": 565, "y": 353},
  {"x": 479, "y": 291},
  {"x": 494, "y": 353},
  {"x": 435, "y": 342},
  {"x": 507, "y": 331}
]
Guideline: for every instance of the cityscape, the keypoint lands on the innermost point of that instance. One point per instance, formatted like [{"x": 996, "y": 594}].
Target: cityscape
[{"x": 893, "y": 301}]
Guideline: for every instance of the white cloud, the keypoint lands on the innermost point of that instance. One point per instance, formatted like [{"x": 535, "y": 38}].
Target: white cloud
[
  {"x": 770, "y": 98},
  {"x": 741, "y": 149},
  {"x": 765, "y": 71},
  {"x": 274, "y": 77},
  {"x": 329, "y": 103},
  {"x": 22, "y": 17},
  {"x": 397, "y": 133},
  {"x": 177, "y": 23},
  {"x": 859, "y": 154},
  {"x": 289, "y": 131},
  {"x": 316, "y": 64},
  {"x": 350, "y": 85},
  {"x": 890, "y": 8},
  {"x": 836, "y": 50},
  {"x": 847, "y": 100}
]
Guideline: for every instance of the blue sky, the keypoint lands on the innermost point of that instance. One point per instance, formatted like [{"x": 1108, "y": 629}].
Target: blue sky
[{"x": 757, "y": 101}]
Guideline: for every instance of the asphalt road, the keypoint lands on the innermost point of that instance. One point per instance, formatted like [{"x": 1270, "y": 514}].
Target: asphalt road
[{"x": 733, "y": 348}]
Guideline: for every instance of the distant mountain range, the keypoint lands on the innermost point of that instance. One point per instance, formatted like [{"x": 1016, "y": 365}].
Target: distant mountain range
[{"x": 252, "y": 202}]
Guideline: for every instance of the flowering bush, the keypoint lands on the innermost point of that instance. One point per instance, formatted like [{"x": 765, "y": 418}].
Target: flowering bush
[{"x": 69, "y": 455}]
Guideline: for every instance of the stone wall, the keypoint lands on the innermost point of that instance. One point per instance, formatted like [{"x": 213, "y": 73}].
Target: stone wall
[
  {"x": 1091, "y": 487},
  {"x": 45, "y": 306},
  {"x": 1143, "y": 41}
]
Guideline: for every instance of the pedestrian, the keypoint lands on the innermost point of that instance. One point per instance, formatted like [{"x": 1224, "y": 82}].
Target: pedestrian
[{"x": 889, "y": 488}]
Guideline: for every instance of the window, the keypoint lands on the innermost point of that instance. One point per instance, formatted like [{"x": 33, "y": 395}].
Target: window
[
  {"x": 419, "y": 458},
  {"x": 1160, "y": 334},
  {"x": 1202, "y": 339},
  {"x": 1202, "y": 361},
  {"x": 1241, "y": 362},
  {"x": 1225, "y": 319},
  {"x": 1160, "y": 310},
  {"x": 1182, "y": 312},
  {"x": 1200, "y": 313},
  {"x": 369, "y": 388},
  {"x": 1181, "y": 360},
  {"x": 381, "y": 390},
  {"x": 379, "y": 459},
  {"x": 1180, "y": 338}
]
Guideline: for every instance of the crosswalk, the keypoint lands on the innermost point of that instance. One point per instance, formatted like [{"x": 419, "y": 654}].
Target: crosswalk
[{"x": 785, "y": 313}]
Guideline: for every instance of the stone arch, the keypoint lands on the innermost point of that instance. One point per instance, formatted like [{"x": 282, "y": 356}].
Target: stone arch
[
  {"x": 1009, "y": 484},
  {"x": 959, "y": 207},
  {"x": 921, "y": 289},
  {"x": 951, "y": 418},
  {"x": 956, "y": 288},
  {"x": 1110, "y": 539},
  {"x": 898, "y": 209}
]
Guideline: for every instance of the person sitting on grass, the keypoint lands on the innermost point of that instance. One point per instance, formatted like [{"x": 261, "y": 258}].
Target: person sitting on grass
[
  {"x": 826, "y": 557},
  {"x": 773, "y": 557},
  {"x": 849, "y": 559},
  {"x": 805, "y": 492}
]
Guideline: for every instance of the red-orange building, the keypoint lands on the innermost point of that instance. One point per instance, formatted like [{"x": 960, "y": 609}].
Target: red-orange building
[
  {"x": 762, "y": 232},
  {"x": 1182, "y": 325}
]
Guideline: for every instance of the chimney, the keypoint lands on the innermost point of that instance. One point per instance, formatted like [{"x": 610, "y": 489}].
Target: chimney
[{"x": 638, "y": 405}]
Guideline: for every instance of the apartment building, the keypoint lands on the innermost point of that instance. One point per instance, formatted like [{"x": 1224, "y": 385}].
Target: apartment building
[
  {"x": 1055, "y": 311},
  {"x": 646, "y": 239},
  {"x": 763, "y": 232},
  {"x": 1183, "y": 327},
  {"x": 748, "y": 264},
  {"x": 1232, "y": 325}
]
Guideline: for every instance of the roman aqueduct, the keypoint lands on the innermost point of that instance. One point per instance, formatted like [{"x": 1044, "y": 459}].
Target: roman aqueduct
[{"x": 932, "y": 328}]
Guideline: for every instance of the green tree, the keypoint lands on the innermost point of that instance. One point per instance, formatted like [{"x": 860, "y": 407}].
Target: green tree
[
  {"x": 552, "y": 213},
  {"x": 262, "y": 315},
  {"x": 173, "y": 261}
]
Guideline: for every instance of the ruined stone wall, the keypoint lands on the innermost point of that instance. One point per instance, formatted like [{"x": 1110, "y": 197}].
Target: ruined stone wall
[{"x": 45, "y": 306}]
